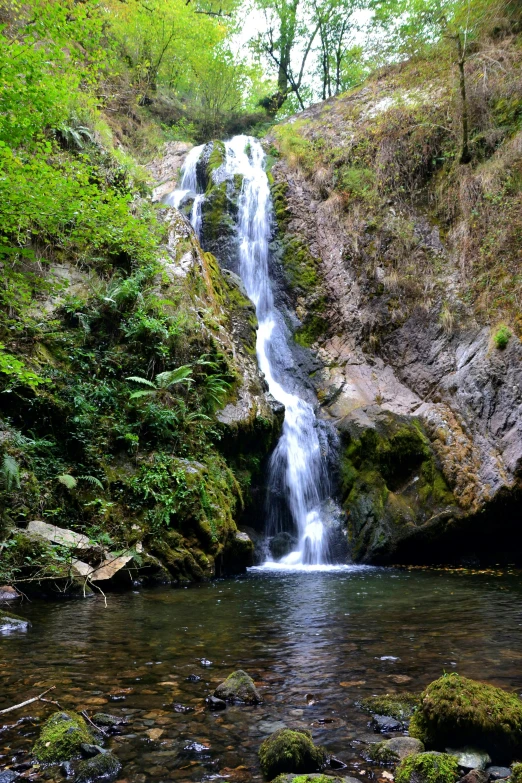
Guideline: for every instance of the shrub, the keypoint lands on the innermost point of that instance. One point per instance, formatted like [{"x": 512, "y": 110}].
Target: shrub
[{"x": 501, "y": 337}]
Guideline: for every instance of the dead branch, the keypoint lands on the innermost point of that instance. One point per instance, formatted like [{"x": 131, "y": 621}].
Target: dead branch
[{"x": 29, "y": 701}]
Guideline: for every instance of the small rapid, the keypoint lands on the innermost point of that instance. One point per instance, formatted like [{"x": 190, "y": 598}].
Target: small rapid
[{"x": 297, "y": 472}]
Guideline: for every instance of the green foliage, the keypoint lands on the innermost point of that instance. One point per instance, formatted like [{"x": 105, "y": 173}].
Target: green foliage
[
  {"x": 501, "y": 337},
  {"x": 428, "y": 768},
  {"x": 10, "y": 473}
]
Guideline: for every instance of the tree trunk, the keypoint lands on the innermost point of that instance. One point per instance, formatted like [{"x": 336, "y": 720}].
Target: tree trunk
[{"x": 465, "y": 155}]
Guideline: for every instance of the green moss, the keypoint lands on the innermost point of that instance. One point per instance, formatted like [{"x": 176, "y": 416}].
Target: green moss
[
  {"x": 313, "y": 327},
  {"x": 238, "y": 687},
  {"x": 299, "y": 265},
  {"x": 400, "y": 706},
  {"x": 289, "y": 750},
  {"x": 427, "y": 768},
  {"x": 516, "y": 773},
  {"x": 501, "y": 337},
  {"x": 307, "y": 779},
  {"x": 61, "y": 737},
  {"x": 382, "y": 754},
  {"x": 103, "y": 766},
  {"x": 460, "y": 711}
]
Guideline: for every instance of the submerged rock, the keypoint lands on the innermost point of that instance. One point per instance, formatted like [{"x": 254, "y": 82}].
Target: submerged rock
[
  {"x": 62, "y": 737},
  {"x": 290, "y": 750},
  {"x": 498, "y": 773},
  {"x": 427, "y": 768},
  {"x": 105, "y": 766},
  {"x": 395, "y": 705},
  {"x": 213, "y": 703},
  {"x": 107, "y": 721},
  {"x": 238, "y": 688},
  {"x": 393, "y": 750},
  {"x": 11, "y": 622},
  {"x": 8, "y": 775},
  {"x": 383, "y": 723},
  {"x": 455, "y": 709}
]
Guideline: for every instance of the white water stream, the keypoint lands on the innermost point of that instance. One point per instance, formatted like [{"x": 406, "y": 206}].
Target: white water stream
[{"x": 297, "y": 465}]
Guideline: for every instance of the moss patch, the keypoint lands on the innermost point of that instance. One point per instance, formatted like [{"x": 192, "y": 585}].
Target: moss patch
[
  {"x": 289, "y": 750},
  {"x": 238, "y": 687},
  {"x": 427, "y": 768},
  {"x": 399, "y": 706},
  {"x": 460, "y": 711},
  {"x": 61, "y": 737},
  {"x": 104, "y": 766}
]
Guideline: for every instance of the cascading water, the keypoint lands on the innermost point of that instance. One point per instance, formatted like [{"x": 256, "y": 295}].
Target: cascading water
[
  {"x": 189, "y": 189},
  {"x": 297, "y": 467}
]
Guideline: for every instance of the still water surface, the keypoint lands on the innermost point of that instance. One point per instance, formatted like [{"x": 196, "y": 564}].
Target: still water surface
[{"x": 336, "y": 636}]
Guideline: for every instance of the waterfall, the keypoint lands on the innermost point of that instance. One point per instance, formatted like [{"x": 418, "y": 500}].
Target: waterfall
[
  {"x": 188, "y": 189},
  {"x": 297, "y": 469}
]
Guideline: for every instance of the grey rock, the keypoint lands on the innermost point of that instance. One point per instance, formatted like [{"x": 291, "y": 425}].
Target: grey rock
[
  {"x": 89, "y": 751},
  {"x": 475, "y": 776},
  {"x": 8, "y": 593},
  {"x": 105, "y": 766},
  {"x": 7, "y": 776},
  {"x": 383, "y": 723},
  {"x": 395, "y": 749},
  {"x": 106, "y": 720},
  {"x": 498, "y": 773},
  {"x": 470, "y": 758},
  {"x": 11, "y": 622}
]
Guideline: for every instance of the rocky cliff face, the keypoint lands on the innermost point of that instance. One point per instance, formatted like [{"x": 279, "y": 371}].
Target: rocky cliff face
[{"x": 399, "y": 263}]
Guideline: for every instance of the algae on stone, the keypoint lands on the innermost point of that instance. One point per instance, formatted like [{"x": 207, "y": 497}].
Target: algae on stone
[
  {"x": 290, "y": 750},
  {"x": 103, "y": 766},
  {"x": 238, "y": 687},
  {"x": 61, "y": 737},
  {"x": 455, "y": 710},
  {"x": 427, "y": 768},
  {"x": 400, "y": 706}
]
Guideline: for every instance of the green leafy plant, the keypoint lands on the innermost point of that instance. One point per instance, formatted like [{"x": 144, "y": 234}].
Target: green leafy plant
[
  {"x": 501, "y": 337},
  {"x": 162, "y": 382},
  {"x": 10, "y": 473}
]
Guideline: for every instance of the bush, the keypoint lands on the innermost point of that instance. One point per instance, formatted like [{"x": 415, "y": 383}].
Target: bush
[{"x": 502, "y": 337}]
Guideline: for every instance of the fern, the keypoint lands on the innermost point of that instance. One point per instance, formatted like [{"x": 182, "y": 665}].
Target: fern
[
  {"x": 10, "y": 473},
  {"x": 143, "y": 381},
  {"x": 67, "y": 480},
  {"x": 142, "y": 393},
  {"x": 92, "y": 480},
  {"x": 179, "y": 375}
]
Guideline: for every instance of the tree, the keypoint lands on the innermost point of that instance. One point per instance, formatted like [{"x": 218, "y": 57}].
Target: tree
[{"x": 335, "y": 23}]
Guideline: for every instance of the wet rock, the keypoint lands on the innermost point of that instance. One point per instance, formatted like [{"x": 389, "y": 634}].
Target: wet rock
[
  {"x": 498, "y": 773},
  {"x": 213, "y": 703},
  {"x": 393, "y": 750},
  {"x": 8, "y": 593},
  {"x": 67, "y": 769},
  {"x": 282, "y": 544},
  {"x": 455, "y": 709},
  {"x": 105, "y": 766},
  {"x": 11, "y": 622},
  {"x": 470, "y": 758},
  {"x": 400, "y": 706},
  {"x": 89, "y": 751},
  {"x": 193, "y": 678},
  {"x": 427, "y": 768},
  {"x": 238, "y": 688},
  {"x": 289, "y": 750},
  {"x": 107, "y": 721},
  {"x": 61, "y": 738},
  {"x": 182, "y": 708},
  {"x": 7, "y": 776},
  {"x": 475, "y": 776},
  {"x": 384, "y": 723}
]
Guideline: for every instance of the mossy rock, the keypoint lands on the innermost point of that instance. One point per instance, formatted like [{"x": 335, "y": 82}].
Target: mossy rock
[
  {"x": 105, "y": 766},
  {"x": 238, "y": 688},
  {"x": 61, "y": 737},
  {"x": 427, "y": 768},
  {"x": 11, "y": 622},
  {"x": 314, "y": 778},
  {"x": 290, "y": 750},
  {"x": 394, "y": 750},
  {"x": 516, "y": 773},
  {"x": 400, "y": 706},
  {"x": 457, "y": 711}
]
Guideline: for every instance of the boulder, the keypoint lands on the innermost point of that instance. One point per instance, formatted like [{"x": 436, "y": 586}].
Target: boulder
[
  {"x": 455, "y": 709},
  {"x": 61, "y": 738},
  {"x": 106, "y": 720},
  {"x": 59, "y": 535},
  {"x": 475, "y": 776},
  {"x": 394, "y": 750},
  {"x": 470, "y": 758},
  {"x": 238, "y": 688},
  {"x": 498, "y": 773},
  {"x": 11, "y": 622},
  {"x": 427, "y": 768},
  {"x": 213, "y": 703},
  {"x": 282, "y": 544},
  {"x": 8, "y": 593},
  {"x": 383, "y": 724},
  {"x": 104, "y": 766},
  {"x": 290, "y": 750}
]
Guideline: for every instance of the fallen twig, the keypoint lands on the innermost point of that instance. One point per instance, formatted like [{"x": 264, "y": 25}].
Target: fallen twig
[
  {"x": 30, "y": 701},
  {"x": 98, "y": 728}
]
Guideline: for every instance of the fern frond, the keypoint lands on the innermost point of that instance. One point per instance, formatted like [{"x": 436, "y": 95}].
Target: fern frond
[
  {"x": 179, "y": 375},
  {"x": 143, "y": 381},
  {"x": 67, "y": 480},
  {"x": 92, "y": 480},
  {"x": 10, "y": 473},
  {"x": 141, "y": 393}
]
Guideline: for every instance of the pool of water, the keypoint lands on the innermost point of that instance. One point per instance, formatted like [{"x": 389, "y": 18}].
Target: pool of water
[{"x": 314, "y": 642}]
